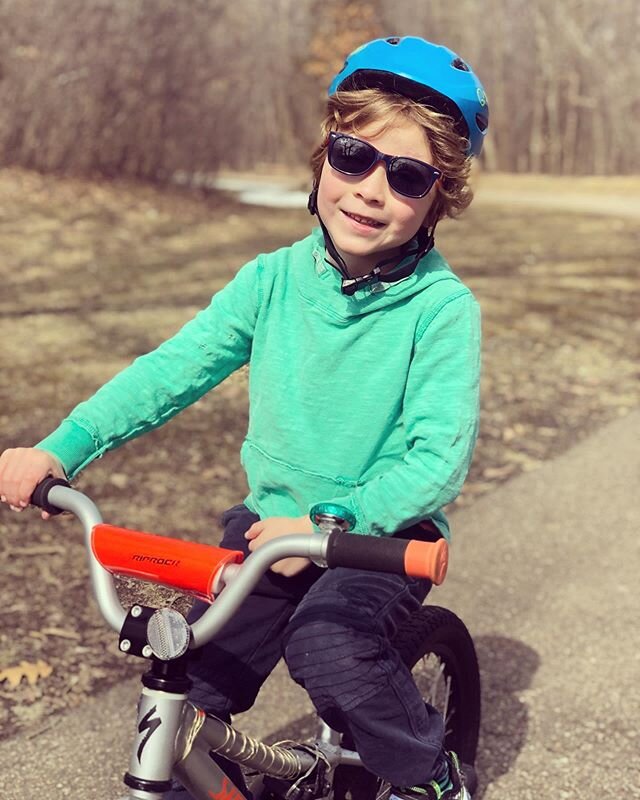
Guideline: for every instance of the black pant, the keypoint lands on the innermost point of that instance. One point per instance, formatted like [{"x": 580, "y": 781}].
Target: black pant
[{"x": 333, "y": 628}]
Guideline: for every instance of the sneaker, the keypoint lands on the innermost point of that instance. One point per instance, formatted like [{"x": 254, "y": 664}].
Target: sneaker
[{"x": 454, "y": 790}]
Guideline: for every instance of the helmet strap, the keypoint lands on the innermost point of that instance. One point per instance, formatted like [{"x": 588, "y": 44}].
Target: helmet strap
[
  {"x": 336, "y": 261},
  {"x": 413, "y": 250}
]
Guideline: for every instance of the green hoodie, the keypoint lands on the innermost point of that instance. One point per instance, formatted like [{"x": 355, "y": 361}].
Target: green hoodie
[{"x": 370, "y": 401}]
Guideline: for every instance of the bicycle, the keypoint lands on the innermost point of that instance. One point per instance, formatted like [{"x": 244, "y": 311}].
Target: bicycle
[{"x": 174, "y": 739}]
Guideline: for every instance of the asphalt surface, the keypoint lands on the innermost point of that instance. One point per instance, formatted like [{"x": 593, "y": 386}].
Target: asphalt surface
[{"x": 544, "y": 571}]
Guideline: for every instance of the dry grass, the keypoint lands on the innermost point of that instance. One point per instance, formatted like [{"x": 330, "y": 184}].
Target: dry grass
[{"x": 94, "y": 274}]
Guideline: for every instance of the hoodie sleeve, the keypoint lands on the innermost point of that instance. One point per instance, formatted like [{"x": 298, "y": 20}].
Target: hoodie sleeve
[
  {"x": 158, "y": 385},
  {"x": 441, "y": 413}
]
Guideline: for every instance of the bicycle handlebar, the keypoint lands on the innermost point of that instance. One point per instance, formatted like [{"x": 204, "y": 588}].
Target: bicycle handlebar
[
  {"x": 399, "y": 556},
  {"x": 40, "y": 496},
  {"x": 206, "y": 568}
]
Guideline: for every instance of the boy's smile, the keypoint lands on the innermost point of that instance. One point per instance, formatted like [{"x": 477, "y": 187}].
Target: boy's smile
[{"x": 367, "y": 220}]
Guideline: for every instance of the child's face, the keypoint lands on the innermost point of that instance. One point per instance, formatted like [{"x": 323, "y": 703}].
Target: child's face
[{"x": 366, "y": 219}]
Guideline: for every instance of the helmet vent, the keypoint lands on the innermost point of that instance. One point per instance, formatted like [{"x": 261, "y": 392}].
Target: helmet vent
[
  {"x": 482, "y": 122},
  {"x": 458, "y": 63},
  {"x": 393, "y": 40}
]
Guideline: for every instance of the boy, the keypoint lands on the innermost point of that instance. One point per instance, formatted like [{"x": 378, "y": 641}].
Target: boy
[{"x": 364, "y": 352}]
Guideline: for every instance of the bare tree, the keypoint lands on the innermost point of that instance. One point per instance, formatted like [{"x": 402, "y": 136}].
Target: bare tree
[{"x": 154, "y": 88}]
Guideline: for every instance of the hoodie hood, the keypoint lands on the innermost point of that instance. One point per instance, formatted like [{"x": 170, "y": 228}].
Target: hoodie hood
[{"x": 431, "y": 269}]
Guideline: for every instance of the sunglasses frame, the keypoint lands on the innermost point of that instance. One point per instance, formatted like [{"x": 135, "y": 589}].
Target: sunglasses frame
[{"x": 388, "y": 162}]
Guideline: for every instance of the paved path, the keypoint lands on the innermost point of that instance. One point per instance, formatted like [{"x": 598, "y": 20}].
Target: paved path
[
  {"x": 545, "y": 573},
  {"x": 607, "y": 205},
  {"x": 608, "y": 201}
]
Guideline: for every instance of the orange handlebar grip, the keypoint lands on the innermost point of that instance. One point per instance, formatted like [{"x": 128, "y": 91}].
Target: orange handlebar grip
[
  {"x": 427, "y": 560},
  {"x": 188, "y": 566}
]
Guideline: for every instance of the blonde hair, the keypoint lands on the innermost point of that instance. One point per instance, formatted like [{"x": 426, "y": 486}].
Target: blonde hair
[{"x": 352, "y": 111}]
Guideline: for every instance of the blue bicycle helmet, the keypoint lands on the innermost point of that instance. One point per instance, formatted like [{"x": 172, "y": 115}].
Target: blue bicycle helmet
[{"x": 430, "y": 74}]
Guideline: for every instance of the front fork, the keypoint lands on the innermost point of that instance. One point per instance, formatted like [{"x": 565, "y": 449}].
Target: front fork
[
  {"x": 159, "y": 719},
  {"x": 173, "y": 737},
  {"x": 165, "y": 742}
]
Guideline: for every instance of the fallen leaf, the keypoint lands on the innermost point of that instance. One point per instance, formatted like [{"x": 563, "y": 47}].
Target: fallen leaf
[
  {"x": 62, "y": 632},
  {"x": 497, "y": 473},
  {"x": 25, "y": 669}
]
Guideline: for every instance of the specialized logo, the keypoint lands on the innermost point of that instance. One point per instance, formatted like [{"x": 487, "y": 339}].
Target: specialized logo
[
  {"x": 149, "y": 725},
  {"x": 228, "y": 792},
  {"x": 165, "y": 562}
]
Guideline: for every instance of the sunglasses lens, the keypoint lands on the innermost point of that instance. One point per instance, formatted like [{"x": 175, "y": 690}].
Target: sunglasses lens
[
  {"x": 351, "y": 156},
  {"x": 406, "y": 176},
  {"x": 410, "y": 178}
]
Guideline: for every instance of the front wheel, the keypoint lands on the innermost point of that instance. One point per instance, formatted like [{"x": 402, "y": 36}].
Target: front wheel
[{"x": 438, "y": 649}]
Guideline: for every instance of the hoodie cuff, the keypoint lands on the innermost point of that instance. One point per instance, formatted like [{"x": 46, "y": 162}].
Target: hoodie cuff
[{"x": 72, "y": 445}]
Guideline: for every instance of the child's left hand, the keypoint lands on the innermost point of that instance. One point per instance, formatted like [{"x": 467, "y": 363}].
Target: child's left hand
[{"x": 271, "y": 528}]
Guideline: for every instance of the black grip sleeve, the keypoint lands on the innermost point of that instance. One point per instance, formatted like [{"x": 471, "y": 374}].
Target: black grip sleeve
[
  {"x": 40, "y": 496},
  {"x": 366, "y": 552}
]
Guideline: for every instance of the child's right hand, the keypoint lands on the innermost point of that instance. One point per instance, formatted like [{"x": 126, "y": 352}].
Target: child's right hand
[{"x": 21, "y": 470}]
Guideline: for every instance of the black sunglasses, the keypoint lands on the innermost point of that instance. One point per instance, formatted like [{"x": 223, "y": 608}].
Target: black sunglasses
[{"x": 406, "y": 176}]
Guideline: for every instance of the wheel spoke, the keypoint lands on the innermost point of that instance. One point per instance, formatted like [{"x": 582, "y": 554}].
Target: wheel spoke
[{"x": 434, "y": 684}]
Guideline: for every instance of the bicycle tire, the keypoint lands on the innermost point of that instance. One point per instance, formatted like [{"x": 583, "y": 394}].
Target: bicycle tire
[{"x": 438, "y": 649}]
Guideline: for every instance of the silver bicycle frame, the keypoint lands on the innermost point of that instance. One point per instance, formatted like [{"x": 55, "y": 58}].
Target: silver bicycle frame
[
  {"x": 202, "y": 734},
  {"x": 173, "y": 737}
]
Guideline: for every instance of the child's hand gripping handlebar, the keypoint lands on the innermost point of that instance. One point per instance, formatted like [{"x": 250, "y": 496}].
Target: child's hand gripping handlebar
[{"x": 204, "y": 570}]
